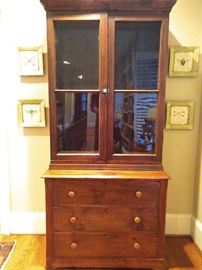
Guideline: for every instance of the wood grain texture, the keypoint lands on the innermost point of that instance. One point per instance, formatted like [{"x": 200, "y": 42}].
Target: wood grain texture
[
  {"x": 106, "y": 174},
  {"x": 108, "y": 192},
  {"x": 106, "y": 245},
  {"x": 96, "y": 219}
]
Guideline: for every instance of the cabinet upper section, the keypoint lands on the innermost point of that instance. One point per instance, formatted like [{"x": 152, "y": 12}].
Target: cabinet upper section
[
  {"x": 109, "y": 5},
  {"x": 107, "y": 74}
]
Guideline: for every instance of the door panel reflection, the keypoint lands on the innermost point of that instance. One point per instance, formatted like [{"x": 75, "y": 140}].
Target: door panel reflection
[
  {"x": 134, "y": 122},
  {"x": 77, "y": 121},
  {"x": 137, "y": 55},
  {"x": 77, "y": 54}
]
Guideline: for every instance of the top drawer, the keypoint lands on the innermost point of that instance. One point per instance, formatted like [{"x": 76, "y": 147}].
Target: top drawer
[{"x": 106, "y": 192}]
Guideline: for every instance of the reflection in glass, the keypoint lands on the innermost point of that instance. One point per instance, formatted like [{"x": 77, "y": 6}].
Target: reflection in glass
[
  {"x": 77, "y": 121},
  {"x": 77, "y": 51},
  {"x": 134, "y": 122},
  {"x": 137, "y": 53}
]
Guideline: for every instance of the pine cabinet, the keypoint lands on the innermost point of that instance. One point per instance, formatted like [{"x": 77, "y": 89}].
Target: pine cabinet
[{"x": 105, "y": 187}]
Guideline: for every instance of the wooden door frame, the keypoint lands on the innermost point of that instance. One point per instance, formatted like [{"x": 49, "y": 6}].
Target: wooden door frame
[
  {"x": 85, "y": 157},
  {"x": 147, "y": 159}
]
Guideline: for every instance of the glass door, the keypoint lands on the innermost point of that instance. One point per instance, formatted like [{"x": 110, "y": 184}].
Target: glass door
[
  {"x": 79, "y": 46},
  {"x": 107, "y": 81},
  {"x": 135, "y": 96}
]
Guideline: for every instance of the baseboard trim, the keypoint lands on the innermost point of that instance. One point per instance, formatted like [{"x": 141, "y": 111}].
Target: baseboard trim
[
  {"x": 178, "y": 224},
  {"x": 27, "y": 223},
  {"x": 196, "y": 231}
]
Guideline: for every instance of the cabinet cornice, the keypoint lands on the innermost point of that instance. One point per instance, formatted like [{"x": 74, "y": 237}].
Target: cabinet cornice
[{"x": 109, "y": 5}]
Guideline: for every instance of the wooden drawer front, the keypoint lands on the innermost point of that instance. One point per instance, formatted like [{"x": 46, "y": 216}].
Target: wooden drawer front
[
  {"x": 106, "y": 192},
  {"x": 101, "y": 219},
  {"x": 105, "y": 245}
]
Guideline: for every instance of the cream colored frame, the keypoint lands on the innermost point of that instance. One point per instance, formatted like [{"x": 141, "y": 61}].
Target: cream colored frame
[
  {"x": 21, "y": 117},
  {"x": 195, "y": 65},
  {"x": 25, "y": 57},
  {"x": 190, "y": 105}
]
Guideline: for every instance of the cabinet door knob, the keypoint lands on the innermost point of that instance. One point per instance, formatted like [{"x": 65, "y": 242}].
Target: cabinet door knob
[
  {"x": 73, "y": 245},
  {"x": 104, "y": 90},
  {"x": 136, "y": 246},
  {"x": 138, "y": 194},
  {"x": 73, "y": 220},
  {"x": 137, "y": 220},
  {"x": 71, "y": 194}
]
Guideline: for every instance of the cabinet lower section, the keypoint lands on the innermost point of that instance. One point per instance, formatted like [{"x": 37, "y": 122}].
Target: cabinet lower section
[{"x": 105, "y": 222}]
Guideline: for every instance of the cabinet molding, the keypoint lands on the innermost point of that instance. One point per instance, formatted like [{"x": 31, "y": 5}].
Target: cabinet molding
[{"x": 103, "y": 5}]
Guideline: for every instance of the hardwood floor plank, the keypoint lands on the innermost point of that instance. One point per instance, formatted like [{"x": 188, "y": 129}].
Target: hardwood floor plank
[
  {"x": 183, "y": 254},
  {"x": 29, "y": 253}
]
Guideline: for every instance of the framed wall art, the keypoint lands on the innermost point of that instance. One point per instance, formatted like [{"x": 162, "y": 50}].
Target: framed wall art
[
  {"x": 31, "y": 113},
  {"x": 180, "y": 115},
  {"x": 31, "y": 61},
  {"x": 184, "y": 61}
]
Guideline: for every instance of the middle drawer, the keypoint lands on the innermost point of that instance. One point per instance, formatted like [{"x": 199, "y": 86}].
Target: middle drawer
[{"x": 110, "y": 219}]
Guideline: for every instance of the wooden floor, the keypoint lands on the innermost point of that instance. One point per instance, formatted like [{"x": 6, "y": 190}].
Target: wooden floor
[{"x": 29, "y": 253}]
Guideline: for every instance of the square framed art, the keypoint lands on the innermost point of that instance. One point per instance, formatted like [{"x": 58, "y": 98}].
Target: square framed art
[
  {"x": 31, "y": 61},
  {"x": 31, "y": 113},
  {"x": 180, "y": 115},
  {"x": 184, "y": 61}
]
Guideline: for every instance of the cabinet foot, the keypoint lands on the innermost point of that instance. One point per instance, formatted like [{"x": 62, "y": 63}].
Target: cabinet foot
[
  {"x": 160, "y": 268},
  {"x": 50, "y": 268}
]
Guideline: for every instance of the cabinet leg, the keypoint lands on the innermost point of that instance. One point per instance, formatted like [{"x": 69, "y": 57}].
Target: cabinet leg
[
  {"x": 50, "y": 268},
  {"x": 166, "y": 266}
]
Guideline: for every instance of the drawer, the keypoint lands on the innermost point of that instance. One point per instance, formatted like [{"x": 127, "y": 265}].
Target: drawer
[
  {"x": 105, "y": 245},
  {"x": 106, "y": 192},
  {"x": 101, "y": 219}
]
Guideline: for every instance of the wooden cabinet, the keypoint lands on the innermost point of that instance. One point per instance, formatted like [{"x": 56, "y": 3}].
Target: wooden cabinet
[
  {"x": 113, "y": 221},
  {"x": 105, "y": 187}
]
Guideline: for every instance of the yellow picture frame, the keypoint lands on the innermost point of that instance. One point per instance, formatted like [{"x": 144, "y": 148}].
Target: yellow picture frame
[
  {"x": 180, "y": 115},
  {"x": 31, "y": 113},
  {"x": 184, "y": 61},
  {"x": 31, "y": 61}
]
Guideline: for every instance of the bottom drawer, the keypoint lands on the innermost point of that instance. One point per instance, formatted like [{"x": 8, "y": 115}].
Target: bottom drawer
[{"x": 105, "y": 245}]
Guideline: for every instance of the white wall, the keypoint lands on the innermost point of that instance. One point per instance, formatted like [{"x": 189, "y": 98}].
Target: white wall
[
  {"x": 181, "y": 146},
  {"x": 27, "y": 153}
]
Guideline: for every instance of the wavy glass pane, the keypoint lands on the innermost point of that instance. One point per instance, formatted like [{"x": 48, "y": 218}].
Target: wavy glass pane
[
  {"x": 134, "y": 123},
  {"x": 77, "y": 121},
  {"x": 77, "y": 54},
  {"x": 137, "y": 55}
]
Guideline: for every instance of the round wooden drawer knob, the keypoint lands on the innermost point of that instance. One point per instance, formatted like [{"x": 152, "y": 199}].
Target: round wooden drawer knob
[
  {"x": 137, "y": 220},
  {"x": 136, "y": 246},
  {"x": 71, "y": 194},
  {"x": 73, "y": 220},
  {"x": 73, "y": 245},
  {"x": 138, "y": 194}
]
